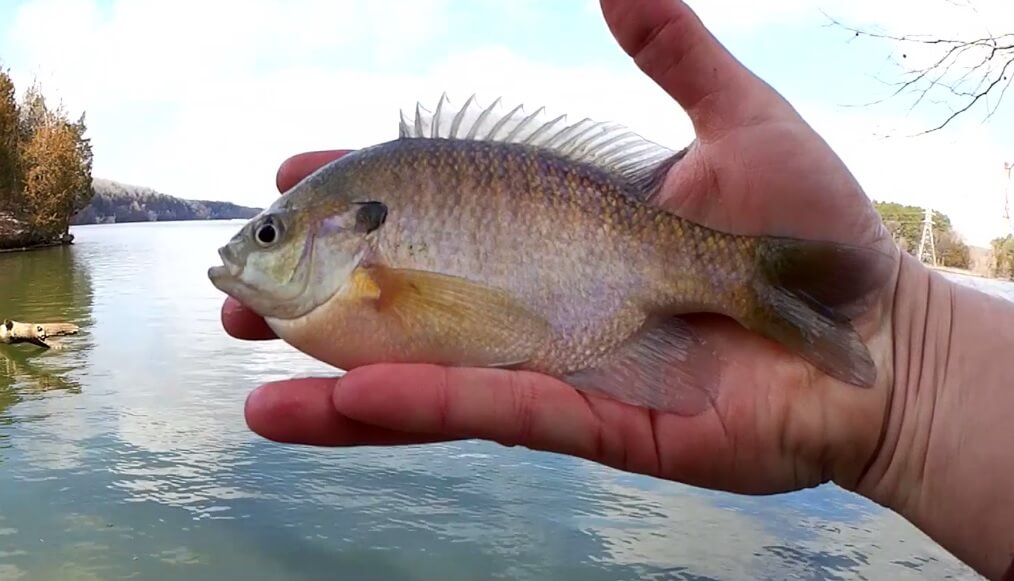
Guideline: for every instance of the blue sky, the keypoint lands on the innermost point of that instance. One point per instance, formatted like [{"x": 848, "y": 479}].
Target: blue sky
[{"x": 207, "y": 106}]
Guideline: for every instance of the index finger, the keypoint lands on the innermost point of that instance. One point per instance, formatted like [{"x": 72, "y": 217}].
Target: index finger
[
  {"x": 239, "y": 321},
  {"x": 297, "y": 167}
]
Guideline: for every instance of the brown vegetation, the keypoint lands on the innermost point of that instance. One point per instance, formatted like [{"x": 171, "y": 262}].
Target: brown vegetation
[{"x": 45, "y": 169}]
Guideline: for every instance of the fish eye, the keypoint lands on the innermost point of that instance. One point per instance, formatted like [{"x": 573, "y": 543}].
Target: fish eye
[{"x": 267, "y": 232}]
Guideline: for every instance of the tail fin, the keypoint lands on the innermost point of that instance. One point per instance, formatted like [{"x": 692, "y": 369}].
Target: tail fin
[{"x": 808, "y": 292}]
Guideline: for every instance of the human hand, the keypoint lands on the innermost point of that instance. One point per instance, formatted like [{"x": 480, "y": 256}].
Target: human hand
[{"x": 755, "y": 168}]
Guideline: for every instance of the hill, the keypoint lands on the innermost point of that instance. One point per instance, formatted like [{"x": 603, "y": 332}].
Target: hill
[{"x": 116, "y": 202}]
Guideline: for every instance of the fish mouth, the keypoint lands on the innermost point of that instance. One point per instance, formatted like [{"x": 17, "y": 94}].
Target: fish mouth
[
  {"x": 219, "y": 274},
  {"x": 226, "y": 276},
  {"x": 229, "y": 262}
]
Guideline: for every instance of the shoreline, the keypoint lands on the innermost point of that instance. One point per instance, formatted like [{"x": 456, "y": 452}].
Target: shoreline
[
  {"x": 964, "y": 272},
  {"x": 69, "y": 240}
]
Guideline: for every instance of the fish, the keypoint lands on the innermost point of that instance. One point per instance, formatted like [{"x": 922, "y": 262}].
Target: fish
[{"x": 493, "y": 237}]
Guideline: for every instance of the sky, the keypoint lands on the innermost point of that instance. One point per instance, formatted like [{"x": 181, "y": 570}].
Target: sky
[{"x": 204, "y": 99}]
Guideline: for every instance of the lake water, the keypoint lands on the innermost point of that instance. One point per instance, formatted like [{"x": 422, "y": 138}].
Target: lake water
[{"x": 127, "y": 456}]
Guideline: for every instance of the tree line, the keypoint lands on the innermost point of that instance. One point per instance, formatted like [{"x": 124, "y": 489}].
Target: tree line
[
  {"x": 116, "y": 202},
  {"x": 906, "y": 223},
  {"x": 45, "y": 162},
  {"x": 1003, "y": 257}
]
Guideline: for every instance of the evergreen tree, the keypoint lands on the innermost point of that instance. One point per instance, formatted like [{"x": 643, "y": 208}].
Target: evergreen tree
[
  {"x": 83, "y": 169},
  {"x": 9, "y": 119},
  {"x": 33, "y": 113}
]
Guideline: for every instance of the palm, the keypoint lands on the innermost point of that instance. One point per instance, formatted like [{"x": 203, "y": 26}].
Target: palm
[
  {"x": 771, "y": 429},
  {"x": 756, "y": 168}
]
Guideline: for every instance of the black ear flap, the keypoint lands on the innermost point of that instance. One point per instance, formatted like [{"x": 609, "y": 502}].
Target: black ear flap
[
  {"x": 9, "y": 324},
  {"x": 371, "y": 215}
]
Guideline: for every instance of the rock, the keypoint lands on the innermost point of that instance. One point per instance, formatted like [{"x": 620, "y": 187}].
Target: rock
[{"x": 16, "y": 234}]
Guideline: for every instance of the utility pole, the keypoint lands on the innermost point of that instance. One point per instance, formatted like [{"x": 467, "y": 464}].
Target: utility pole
[
  {"x": 926, "y": 243},
  {"x": 1007, "y": 167}
]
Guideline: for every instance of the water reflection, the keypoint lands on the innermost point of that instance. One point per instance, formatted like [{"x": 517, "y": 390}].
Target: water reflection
[
  {"x": 52, "y": 284},
  {"x": 659, "y": 530},
  {"x": 141, "y": 466}
]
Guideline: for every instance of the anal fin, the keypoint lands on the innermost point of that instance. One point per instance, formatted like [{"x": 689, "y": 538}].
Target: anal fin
[
  {"x": 665, "y": 366},
  {"x": 453, "y": 321}
]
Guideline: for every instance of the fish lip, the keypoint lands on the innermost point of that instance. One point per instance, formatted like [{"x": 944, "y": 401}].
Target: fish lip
[
  {"x": 218, "y": 273},
  {"x": 224, "y": 280},
  {"x": 226, "y": 276},
  {"x": 228, "y": 257}
]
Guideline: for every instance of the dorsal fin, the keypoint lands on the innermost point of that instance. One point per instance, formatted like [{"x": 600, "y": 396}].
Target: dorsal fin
[{"x": 609, "y": 146}]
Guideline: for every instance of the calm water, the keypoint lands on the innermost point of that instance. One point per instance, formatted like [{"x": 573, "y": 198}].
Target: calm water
[{"x": 127, "y": 456}]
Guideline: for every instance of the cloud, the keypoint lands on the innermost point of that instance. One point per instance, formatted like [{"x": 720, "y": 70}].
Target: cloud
[
  {"x": 208, "y": 107},
  {"x": 229, "y": 142},
  {"x": 958, "y": 172},
  {"x": 779, "y": 538},
  {"x": 250, "y": 84}
]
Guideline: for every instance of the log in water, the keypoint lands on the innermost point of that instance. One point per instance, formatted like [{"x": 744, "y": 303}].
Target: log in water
[{"x": 12, "y": 332}]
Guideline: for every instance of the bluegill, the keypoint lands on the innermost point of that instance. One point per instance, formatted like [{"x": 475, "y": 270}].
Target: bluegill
[{"x": 485, "y": 237}]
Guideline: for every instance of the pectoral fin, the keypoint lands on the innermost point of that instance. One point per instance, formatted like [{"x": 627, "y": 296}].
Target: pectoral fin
[
  {"x": 665, "y": 367},
  {"x": 453, "y": 321}
]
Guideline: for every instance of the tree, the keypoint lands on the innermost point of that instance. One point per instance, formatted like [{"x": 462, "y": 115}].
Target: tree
[
  {"x": 9, "y": 119},
  {"x": 34, "y": 112},
  {"x": 1003, "y": 257},
  {"x": 905, "y": 224},
  {"x": 952, "y": 251},
  {"x": 83, "y": 147},
  {"x": 965, "y": 70},
  {"x": 52, "y": 177},
  {"x": 45, "y": 162}
]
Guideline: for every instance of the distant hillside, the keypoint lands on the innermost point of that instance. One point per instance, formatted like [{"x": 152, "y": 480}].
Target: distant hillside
[{"x": 115, "y": 203}]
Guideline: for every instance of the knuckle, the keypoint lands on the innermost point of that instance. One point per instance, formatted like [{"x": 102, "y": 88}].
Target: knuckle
[{"x": 524, "y": 398}]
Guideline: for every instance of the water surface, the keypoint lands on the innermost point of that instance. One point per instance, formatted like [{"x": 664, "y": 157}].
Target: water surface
[{"x": 126, "y": 456}]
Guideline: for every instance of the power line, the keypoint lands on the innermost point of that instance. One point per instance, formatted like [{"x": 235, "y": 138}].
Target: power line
[{"x": 926, "y": 243}]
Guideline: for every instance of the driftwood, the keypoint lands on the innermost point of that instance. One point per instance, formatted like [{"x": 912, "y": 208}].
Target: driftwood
[{"x": 35, "y": 333}]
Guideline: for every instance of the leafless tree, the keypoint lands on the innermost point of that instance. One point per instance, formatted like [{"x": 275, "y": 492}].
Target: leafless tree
[{"x": 964, "y": 71}]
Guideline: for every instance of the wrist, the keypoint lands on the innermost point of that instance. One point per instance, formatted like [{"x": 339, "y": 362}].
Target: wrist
[{"x": 945, "y": 462}]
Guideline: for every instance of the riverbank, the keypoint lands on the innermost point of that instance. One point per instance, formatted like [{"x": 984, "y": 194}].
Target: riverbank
[
  {"x": 966, "y": 272},
  {"x": 17, "y": 236}
]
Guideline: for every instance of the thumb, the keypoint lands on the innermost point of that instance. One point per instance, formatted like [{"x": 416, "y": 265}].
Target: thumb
[{"x": 671, "y": 45}]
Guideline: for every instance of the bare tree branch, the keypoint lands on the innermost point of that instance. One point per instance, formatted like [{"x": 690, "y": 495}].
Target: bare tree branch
[{"x": 969, "y": 71}]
